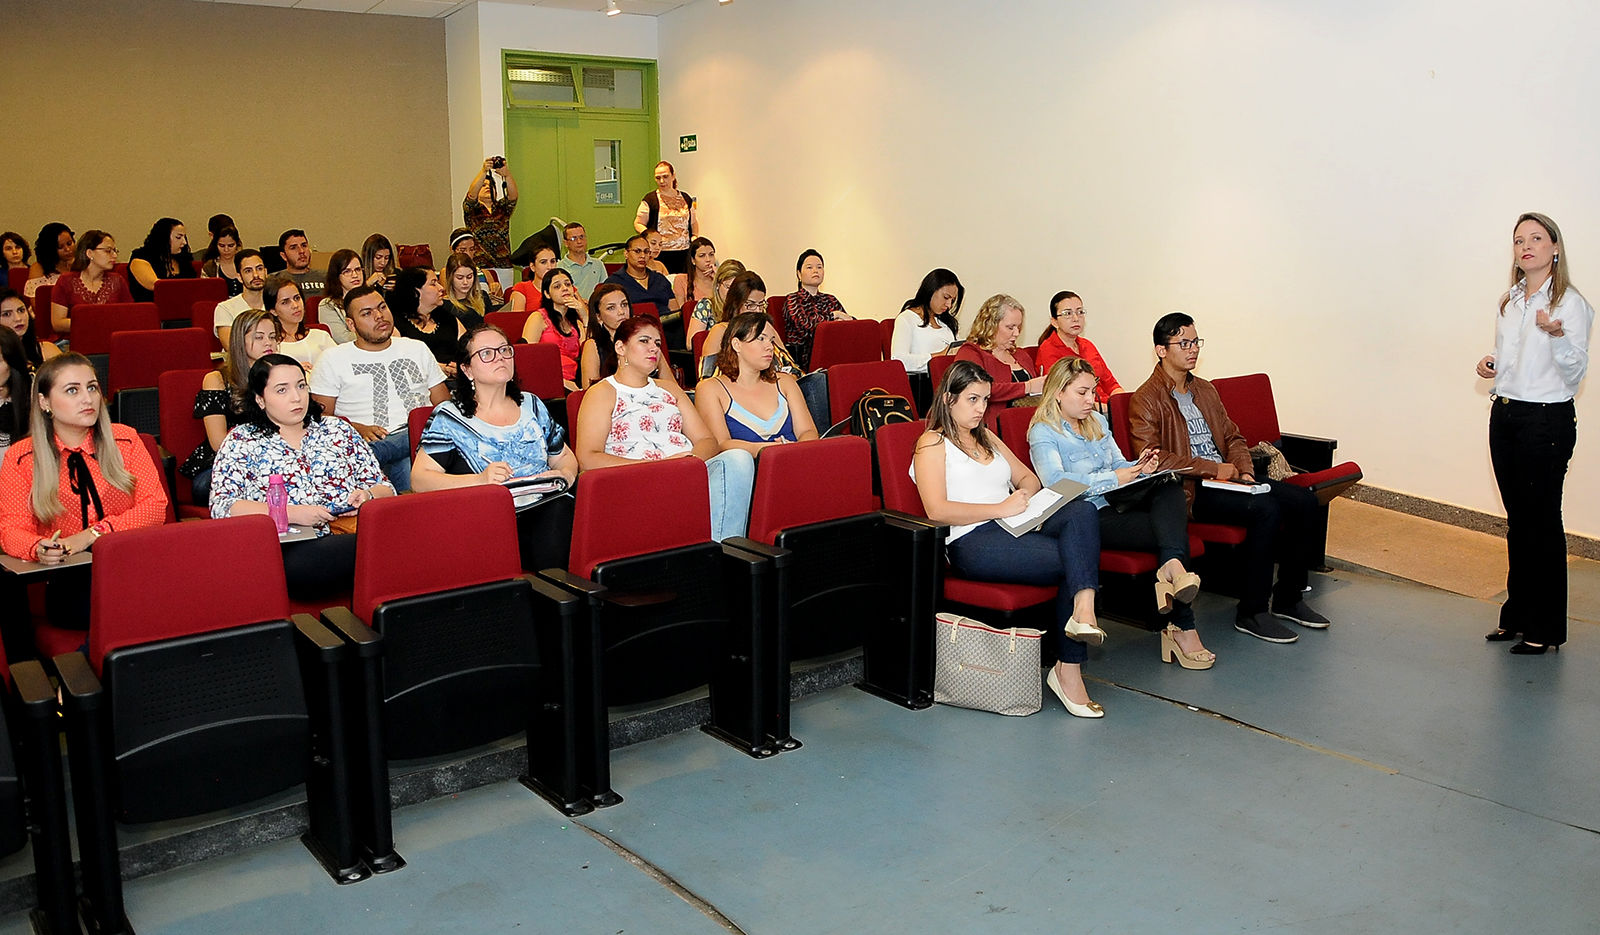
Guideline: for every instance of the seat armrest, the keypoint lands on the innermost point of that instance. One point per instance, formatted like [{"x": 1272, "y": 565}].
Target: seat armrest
[
  {"x": 78, "y": 681},
  {"x": 32, "y": 686},
  {"x": 577, "y": 584},
  {"x": 1307, "y": 452},
  {"x": 754, "y": 547},
  {"x": 314, "y": 634},
  {"x": 343, "y": 622}
]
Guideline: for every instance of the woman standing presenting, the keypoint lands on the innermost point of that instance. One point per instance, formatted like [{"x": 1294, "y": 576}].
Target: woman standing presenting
[{"x": 1541, "y": 352}]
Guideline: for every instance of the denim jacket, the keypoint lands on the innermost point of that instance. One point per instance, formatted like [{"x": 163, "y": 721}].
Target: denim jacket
[{"x": 1059, "y": 453}]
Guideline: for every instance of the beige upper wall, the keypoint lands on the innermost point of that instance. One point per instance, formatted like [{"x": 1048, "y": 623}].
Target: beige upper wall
[
  {"x": 282, "y": 118},
  {"x": 1328, "y": 187}
]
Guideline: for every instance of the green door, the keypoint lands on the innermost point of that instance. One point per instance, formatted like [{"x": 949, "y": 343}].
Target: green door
[
  {"x": 582, "y": 137},
  {"x": 579, "y": 167}
]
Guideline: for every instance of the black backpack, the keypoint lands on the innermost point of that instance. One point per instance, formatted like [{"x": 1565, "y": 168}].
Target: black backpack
[{"x": 876, "y": 408}]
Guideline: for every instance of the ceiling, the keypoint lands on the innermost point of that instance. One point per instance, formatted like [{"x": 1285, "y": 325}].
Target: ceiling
[{"x": 437, "y": 8}]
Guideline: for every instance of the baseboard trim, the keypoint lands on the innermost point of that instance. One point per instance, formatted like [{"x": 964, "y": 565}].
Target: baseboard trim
[{"x": 1451, "y": 515}]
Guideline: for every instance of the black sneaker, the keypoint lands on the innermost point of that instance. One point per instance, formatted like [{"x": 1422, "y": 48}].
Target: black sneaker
[
  {"x": 1263, "y": 626},
  {"x": 1302, "y": 614}
]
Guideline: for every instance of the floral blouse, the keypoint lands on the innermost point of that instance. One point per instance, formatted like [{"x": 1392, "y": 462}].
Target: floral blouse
[
  {"x": 645, "y": 424},
  {"x": 331, "y": 463}
]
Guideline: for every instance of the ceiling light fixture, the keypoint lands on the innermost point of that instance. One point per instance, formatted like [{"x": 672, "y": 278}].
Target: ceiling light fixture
[{"x": 611, "y": 8}]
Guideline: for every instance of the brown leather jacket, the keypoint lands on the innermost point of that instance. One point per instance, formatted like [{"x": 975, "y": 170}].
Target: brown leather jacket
[{"x": 1155, "y": 421}]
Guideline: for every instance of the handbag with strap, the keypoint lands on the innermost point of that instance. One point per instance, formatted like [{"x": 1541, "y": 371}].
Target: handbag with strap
[{"x": 977, "y": 666}]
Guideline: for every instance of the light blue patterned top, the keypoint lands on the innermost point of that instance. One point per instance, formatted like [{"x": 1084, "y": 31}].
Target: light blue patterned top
[
  {"x": 526, "y": 445},
  {"x": 1057, "y": 454}
]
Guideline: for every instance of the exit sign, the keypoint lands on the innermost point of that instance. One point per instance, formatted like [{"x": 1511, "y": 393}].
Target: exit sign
[{"x": 688, "y": 144}]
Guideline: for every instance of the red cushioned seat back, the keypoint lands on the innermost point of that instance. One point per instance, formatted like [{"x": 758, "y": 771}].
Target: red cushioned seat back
[
  {"x": 180, "y": 430},
  {"x": 511, "y": 323},
  {"x": 1121, "y": 424},
  {"x": 846, "y": 383},
  {"x": 439, "y": 541},
  {"x": 176, "y": 298},
  {"x": 93, "y": 325},
  {"x": 775, "y": 307},
  {"x": 886, "y": 335},
  {"x": 139, "y": 358},
  {"x": 182, "y": 579},
  {"x": 42, "y": 325},
  {"x": 937, "y": 365},
  {"x": 1014, "y": 432},
  {"x": 895, "y": 443},
  {"x": 16, "y": 278},
  {"x": 416, "y": 421},
  {"x": 846, "y": 342},
  {"x": 1249, "y": 402},
  {"x": 538, "y": 370},
  {"x": 574, "y": 403},
  {"x": 204, "y": 315},
  {"x": 154, "y": 450},
  {"x": 644, "y": 308},
  {"x": 812, "y": 482},
  {"x": 636, "y": 509},
  {"x": 697, "y": 346}
]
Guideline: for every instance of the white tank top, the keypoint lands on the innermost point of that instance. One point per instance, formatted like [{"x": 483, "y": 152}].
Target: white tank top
[{"x": 969, "y": 481}]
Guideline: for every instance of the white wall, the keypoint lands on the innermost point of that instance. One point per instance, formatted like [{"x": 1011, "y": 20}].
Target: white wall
[
  {"x": 1328, "y": 186},
  {"x": 474, "y": 39}
]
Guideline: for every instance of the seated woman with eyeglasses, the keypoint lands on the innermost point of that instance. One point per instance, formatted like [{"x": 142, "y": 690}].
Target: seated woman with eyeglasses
[
  {"x": 76, "y": 477},
  {"x": 1063, "y": 337},
  {"x": 749, "y": 404},
  {"x": 1068, "y": 439},
  {"x": 747, "y": 293},
  {"x": 490, "y": 431},
  {"x": 631, "y": 417},
  {"x": 93, "y": 280},
  {"x": 327, "y": 470}
]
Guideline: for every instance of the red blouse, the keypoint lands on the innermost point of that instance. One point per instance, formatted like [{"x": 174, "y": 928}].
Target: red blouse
[
  {"x": 1006, "y": 387},
  {"x": 70, "y": 291},
  {"x": 20, "y": 530},
  {"x": 1053, "y": 349}
]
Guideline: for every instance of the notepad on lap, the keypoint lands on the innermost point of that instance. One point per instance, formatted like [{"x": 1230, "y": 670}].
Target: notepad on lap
[
  {"x": 1042, "y": 506},
  {"x": 1236, "y": 487}
]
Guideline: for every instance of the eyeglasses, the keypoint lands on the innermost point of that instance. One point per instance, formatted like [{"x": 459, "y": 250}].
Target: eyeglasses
[
  {"x": 1070, "y": 313},
  {"x": 1188, "y": 344},
  {"x": 110, "y": 250},
  {"x": 754, "y": 305},
  {"x": 488, "y": 354}
]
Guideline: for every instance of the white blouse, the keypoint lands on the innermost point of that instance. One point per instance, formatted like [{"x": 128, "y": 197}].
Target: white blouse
[
  {"x": 967, "y": 480},
  {"x": 912, "y": 343},
  {"x": 1531, "y": 365}
]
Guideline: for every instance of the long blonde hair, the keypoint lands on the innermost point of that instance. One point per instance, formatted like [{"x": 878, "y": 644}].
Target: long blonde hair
[
  {"x": 1559, "y": 279},
  {"x": 1049, "y": 414},
  {"x": 474, "y": 299},
  {"x": 987, "y": 323},
  {"x": 726, "y": 271},
  {"x": 45, "y": 496}
]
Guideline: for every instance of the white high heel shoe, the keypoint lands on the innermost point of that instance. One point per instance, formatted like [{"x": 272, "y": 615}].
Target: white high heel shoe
[{"x": 1090, "y": 710}]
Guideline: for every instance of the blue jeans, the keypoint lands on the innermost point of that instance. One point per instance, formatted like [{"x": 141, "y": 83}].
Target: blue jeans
[
  {"x": 731, "y": 475},
  {"x": 1065, "y": 551},
  {"x": 394, "y": 456}
]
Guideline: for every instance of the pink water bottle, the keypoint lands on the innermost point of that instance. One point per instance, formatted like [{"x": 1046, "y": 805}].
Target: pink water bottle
[{"x": 278, "y": 502}]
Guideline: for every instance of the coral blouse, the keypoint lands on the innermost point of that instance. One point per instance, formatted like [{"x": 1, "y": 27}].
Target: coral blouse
[
  {"x": 20, "y": 530},
  {"x": 1054, "y": 349}
]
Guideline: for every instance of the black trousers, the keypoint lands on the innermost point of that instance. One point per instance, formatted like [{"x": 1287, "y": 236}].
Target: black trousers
[
  {"x": 1161, "y": 526},
  {"x": 1279, "y": 526},
  {"x": 1530, "y": 445},
  {"x": 676, "y": 261}
]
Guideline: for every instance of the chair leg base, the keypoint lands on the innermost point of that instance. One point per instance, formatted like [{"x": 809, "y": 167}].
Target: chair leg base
[
  {"x": 387, "y": 862},
  {"x": 343, "y": 876},
  {"x": 92, "y": 923},
  {"x": 785, "y": 744},
  {"x": 759, "y": 751},
  {"x": 571, "y": 808},
  {"x": 39, "y": 924},
  {"x": 899, "y": 698}
]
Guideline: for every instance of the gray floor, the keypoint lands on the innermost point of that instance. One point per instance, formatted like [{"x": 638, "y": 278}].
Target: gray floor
[{"x": 1393, "y": 774}]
